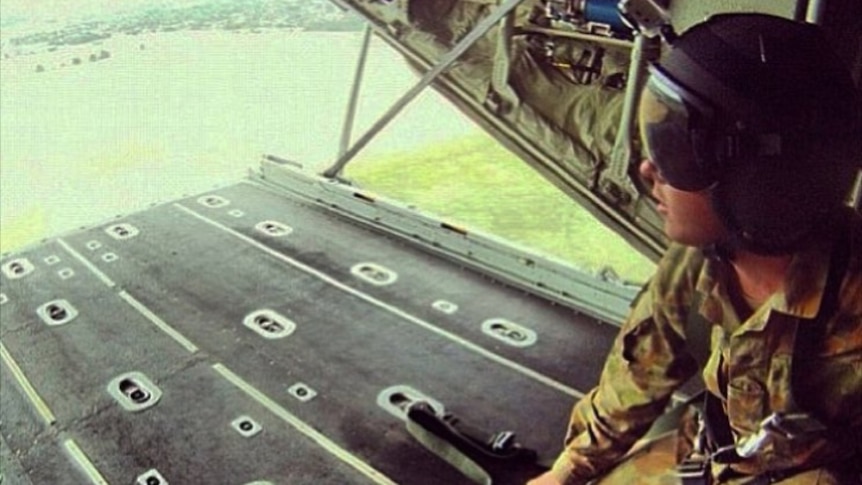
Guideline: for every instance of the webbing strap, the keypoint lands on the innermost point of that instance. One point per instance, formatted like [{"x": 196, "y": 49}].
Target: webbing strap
[
  {"x": 807, "y": 334},
  {"x": 445, "y": 450},
  {"x": 697, "y": 331},
  {"x": 500, "y": 71}
]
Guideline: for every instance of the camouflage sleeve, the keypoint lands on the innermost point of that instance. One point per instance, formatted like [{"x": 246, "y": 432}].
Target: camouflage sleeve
[{"x": 647, "y": 362}]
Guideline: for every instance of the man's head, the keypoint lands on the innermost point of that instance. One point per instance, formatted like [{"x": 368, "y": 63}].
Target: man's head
[{"x": 756, "y": 113}]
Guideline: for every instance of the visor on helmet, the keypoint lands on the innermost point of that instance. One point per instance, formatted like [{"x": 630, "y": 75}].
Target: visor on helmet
[{"x": 669, "y": 138}]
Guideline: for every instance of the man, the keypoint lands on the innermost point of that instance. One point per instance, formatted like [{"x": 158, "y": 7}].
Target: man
[{"x": 751, "y": 128}]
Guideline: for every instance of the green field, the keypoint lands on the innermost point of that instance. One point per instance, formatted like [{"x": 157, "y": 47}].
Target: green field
[{"x": 476, "y": 182}]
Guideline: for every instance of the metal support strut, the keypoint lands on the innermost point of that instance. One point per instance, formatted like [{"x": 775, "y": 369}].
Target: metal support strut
[
  {"x": 445, "y": 62},
  {"x": 350, "y": 116}
]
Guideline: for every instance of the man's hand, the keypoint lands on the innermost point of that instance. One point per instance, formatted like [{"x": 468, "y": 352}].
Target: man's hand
[{"x": 545, "y": 479}]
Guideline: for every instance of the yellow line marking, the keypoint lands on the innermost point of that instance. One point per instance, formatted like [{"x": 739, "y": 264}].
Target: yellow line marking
[
  {"x": 92, "y": 267},
  {"x": 173, "y": 333},
  {"x": 548, "y": 381},
  {"x": 86, "y": 465},
  {"x": 28, "y": 388},
  {"x": 303, "y": 427}
]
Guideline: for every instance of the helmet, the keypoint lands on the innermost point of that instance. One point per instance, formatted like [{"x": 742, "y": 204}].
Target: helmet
[{"x": 758, "y": 110}]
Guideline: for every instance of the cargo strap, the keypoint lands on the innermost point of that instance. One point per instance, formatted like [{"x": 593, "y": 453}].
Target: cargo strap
[{"x": 484, "y": 459}]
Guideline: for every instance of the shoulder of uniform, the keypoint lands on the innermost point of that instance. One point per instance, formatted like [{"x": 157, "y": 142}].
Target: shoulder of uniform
[{"x": 680, "y": 266}]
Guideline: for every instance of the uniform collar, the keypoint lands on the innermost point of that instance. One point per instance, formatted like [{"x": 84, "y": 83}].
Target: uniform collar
[
  {"x": 801, "y": 297},
  {"x": 805, "y": 282}
]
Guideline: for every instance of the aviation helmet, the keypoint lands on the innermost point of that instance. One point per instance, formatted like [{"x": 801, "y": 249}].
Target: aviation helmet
[{"x": 760, "y": 111}]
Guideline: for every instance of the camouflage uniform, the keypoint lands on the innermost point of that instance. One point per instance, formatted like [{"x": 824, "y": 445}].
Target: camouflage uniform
[{"x": 748, "y": 366}]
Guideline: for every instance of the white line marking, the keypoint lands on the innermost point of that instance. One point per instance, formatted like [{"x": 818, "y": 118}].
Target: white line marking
[
  {"x": 303, "y": 427},
  {"x": 173, "y": 333},
  {"x": 86, "y": 465},
  {"x": 87, "y": 263},
  {"x": 415, "y": 320},
  {"x": 28, "y": 388}
]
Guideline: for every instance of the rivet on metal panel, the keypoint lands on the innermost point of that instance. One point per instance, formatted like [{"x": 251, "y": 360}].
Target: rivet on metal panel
[
  {"x": 93, "y": 245},
  {"x": 269, "y": 324},
  {"x": 57, "y": 312},
  {"x": 134, "y": 391},
  {"x": 109, "y": 257},
  {"x": 121, "y": 231},
  {"x": 397, "y": 399},
  {"x": 374, "y": 273},
  {"x": 213, "y": 201},
  {"x": 246, "y": 426},
  {"x": 445, "y": 306},
  {"x": 236, "y": 213},
  {"x": 66, "y": 273},
  {"x": 509, "y": 332},
  {"x": 52, "y": 259},
  {"x": 302, "y": 392},
  {"x": 18, "y": 268},
  {"x": 273, "y": 228},
  {"x": 151, "y": 477}
]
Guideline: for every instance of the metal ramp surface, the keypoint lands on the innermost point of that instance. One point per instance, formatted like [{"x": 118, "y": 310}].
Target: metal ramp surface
[{"x": 243, "y": 336}]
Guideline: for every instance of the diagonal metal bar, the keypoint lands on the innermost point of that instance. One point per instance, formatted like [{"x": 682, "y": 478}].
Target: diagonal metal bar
[
  {"x": 622, "y": 152},
  {"x": 445, "y": 62},
  {"x": 350, "y": 117}
]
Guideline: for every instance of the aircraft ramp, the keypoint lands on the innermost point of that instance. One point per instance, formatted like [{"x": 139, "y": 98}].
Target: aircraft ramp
[{"x": 243, "y": 336}]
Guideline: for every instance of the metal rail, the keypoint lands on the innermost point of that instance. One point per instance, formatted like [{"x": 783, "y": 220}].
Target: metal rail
[
  {"x": 445, "y": 62},
  {"x": 350, "y": 116}
]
